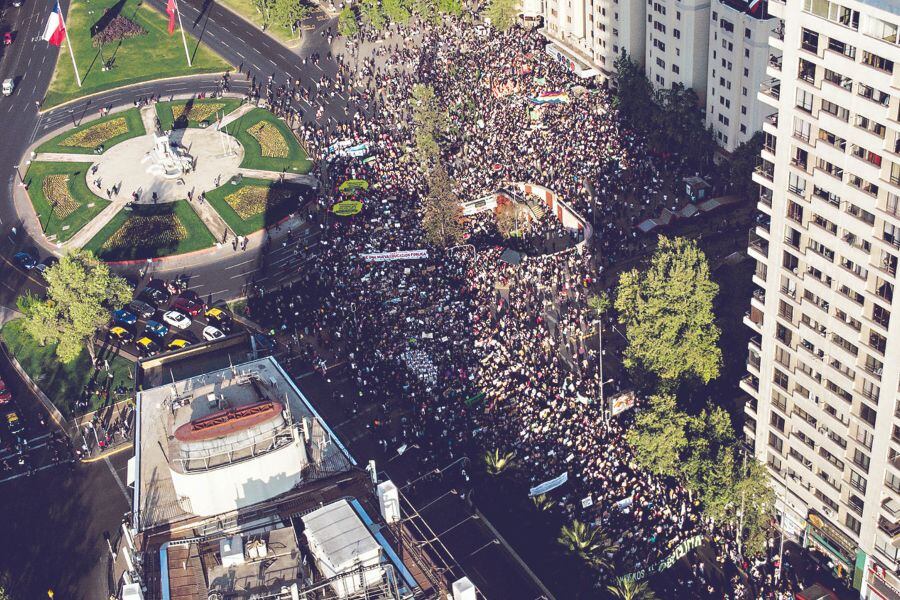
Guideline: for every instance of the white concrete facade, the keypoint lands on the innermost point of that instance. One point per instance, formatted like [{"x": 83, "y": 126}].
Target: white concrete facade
[
  {"x": 824, "y": 367},
  {"x": 596, "y": 32},
  {"x": 677, "y": 43},
  {"x": 738, "y": 56}
]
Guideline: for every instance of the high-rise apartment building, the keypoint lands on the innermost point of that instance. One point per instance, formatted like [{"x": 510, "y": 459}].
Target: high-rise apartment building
[
  {"x": 588, "y": 35},
  {"x": 677, "y": 44},
  {"x": 739, "y": 33},
  {"x": 824, "y": 363}
]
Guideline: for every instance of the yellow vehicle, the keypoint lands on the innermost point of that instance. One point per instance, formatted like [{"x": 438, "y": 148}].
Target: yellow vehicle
[
  {"x": 178, "y": 344},
  {"x": 121, "y": 334},
  {"x": 147, "y": 346}
]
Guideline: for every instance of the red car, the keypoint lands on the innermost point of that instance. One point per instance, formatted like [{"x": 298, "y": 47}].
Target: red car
[
  {"x": 189, "y": 306},
  {"x": 5, "y": 393},
  {"x": 7, "y": 38}
]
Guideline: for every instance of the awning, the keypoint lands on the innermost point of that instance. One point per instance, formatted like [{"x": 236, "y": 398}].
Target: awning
[{"x": 131, "y": 470}]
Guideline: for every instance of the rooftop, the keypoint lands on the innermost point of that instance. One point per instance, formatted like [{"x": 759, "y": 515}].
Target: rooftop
[{"x": 245, "y": 413}]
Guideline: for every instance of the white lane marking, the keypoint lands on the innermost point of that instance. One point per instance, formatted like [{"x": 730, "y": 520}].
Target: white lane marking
[
  {"x": 117, "y": 478},
  {"x": 243, "y": 274},
  {"x": 240, "y": 263}
]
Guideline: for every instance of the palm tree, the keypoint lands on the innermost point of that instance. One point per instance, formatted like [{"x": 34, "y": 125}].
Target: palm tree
[
  {"x": 496, "y": 462},
  {"x": 631, "y": 589},
  {"x": 590, "y": 545},
  {"x": 542, "y": 502}
]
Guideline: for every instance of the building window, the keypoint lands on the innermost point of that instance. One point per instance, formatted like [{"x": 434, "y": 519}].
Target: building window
[
  {"x": 780, "y": 379},
  {"x": 743, "y": 110},
  {"x": 861, "y": 459},
  {"x": 743, "y": 128},
  {"x": 852, "y": 523},
  {"x": 675, "y": 69},
  {"x": 858, "y": 481}
]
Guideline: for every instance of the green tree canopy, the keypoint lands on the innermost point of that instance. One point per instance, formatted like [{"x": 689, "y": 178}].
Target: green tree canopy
[
  {"x": 430, "y": 122},
  {"x": 659, "y": 436},
  {"x": 590, "y": 544},
  {"x": 631, "y": 589},
  {"x": 370, "y": 11},
  {"x": 668, "y": 313},
  {"x": 502, "y": 13},
  {"x": 395, "y": 11},
  {"x": 442, "y": 216},
  {"x": 347, "y": 25},
  {"x": 740, "y": 166},
  {"x": 80, "y": 290}
]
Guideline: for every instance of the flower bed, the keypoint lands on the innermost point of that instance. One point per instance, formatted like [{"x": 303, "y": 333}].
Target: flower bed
[
  {"x": 197, "y": 112},
  {"x": 147, "y": 230},
  {"x": 271, "y": 142},
  {"x": 98, "y": 134},
  {"x": 252, "y": 200},
  {"x": 120, "y": 28},
  {"x": 56, "y": 190}
]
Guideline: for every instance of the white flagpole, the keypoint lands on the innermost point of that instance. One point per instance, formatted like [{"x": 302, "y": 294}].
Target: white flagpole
[
  {"x": 69, "y": 44},
  {"x": 183, "y": 38}
]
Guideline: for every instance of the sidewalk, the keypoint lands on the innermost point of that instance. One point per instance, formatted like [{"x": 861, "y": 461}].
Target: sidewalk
[{"x": 299, "y": 178}]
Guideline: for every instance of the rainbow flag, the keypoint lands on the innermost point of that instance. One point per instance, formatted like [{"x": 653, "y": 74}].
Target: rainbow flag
[{"x": 550, "y": 98}]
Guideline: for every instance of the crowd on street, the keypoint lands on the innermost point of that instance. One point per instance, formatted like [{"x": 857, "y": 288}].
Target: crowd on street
[{"x": 487, "y": 353}]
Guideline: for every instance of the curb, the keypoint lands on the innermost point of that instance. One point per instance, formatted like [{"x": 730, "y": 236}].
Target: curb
[{"x": 42, "y": 112}]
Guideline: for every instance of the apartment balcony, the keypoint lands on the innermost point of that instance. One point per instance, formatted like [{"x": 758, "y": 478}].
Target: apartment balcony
[
  {"x": 760, "y": 275},
  {"x": 750, "y": 384},
  {"x": 891, "y": 528},
  {"x": 758, "y": 247},
  {"x": 758, "y": 300},
  {"x": 753, "y": 319},
  {"x": 770, "y": 92},
  {"x": 755, "y": 343},
  {"x": 770, "y": 124},
  {"x": 776, "y": 37},
  {"x": 773, "y": 67}
]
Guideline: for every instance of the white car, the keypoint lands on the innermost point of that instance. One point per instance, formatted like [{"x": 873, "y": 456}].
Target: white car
[
  {"x": 211, "y": 333},
  {"x": 177, "y": 319}
]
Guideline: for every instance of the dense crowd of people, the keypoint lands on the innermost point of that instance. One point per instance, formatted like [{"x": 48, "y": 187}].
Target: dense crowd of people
[{"x": 485, "y": 352}]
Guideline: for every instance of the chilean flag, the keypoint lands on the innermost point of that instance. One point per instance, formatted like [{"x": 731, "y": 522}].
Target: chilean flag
[
  {"x": 170, "y": 10},
  {"x": 55, "y": 31}
]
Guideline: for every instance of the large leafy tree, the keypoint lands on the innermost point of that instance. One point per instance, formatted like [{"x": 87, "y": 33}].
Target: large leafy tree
[
  {"x": 442, "y": 216},
  {"x": 286, "y": 13},
  {"x": 429, "y": 121},
  {"x": 740, "y": 166},
  {"x": 370, "y": 11},
  {"x": 668, "y": 314},
  {"x": 634, "y": 95},
  {"x": 502, "y": 13},
  {"x": 708, "y": 465},
  {"x": 659, "y": 436},
  {"x": 80, "y": 290},
  {"x": 395, "y": 11},
  {"x": 347, "y": 24}
]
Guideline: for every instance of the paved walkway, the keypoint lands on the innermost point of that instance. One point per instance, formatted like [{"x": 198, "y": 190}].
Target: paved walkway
[
  {"x": 65, "y": 157},
  {"x": 231, "y": 117},
  {"x": 148, "y": 116},
  {"x": 299, "y": 178}
]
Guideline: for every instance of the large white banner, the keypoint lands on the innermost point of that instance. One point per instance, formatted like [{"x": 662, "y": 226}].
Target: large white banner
[
  {"x": 399, "y": 255},
  {"x": 552, "y": 484}
]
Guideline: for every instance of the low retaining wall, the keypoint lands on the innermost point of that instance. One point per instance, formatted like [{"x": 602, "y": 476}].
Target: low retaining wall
[
  {"x": 51, "y": 409},
  {"x": 565, "y": 214}
]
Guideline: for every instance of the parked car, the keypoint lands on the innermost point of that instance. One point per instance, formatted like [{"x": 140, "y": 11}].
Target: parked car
[
  {"x": 178, "y": 344},
  {"x": 121, "y": 334},
  {"x": 17, "y": 3},
  {"x": 7, "y": 38},
  {"x": 141, "y": 308},
  {"x": 154, "y": 295},
  {"x": 147, "y": 346},
  {"x": 45, "y": 264},
  {"x": 124, "y": 317},
  {"x": 25, "y": 260},
  {"x": 177, "y": 319},
  {"x": 156, "y": 329},
  {"x": 211, "y": 333},
  {"x": 187, "y": 305},
  {"x": 14, "y": 424},
  {"x": 5, "y": 393},
  {"x": 219, "y": 318}
]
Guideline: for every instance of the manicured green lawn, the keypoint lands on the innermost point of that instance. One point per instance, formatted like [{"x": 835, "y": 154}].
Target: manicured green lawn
[
  {"x": 295, "y": 159},
  {"x": 151, "y": 56},
  {"x": 61, "y": 382},
  {"x": 57, "y": 223},
  {"x": 245, "y": 9},
  {"x": 150, "y": 231},
  {"x": 95, "y": 134},
  {"x": 205, "y": 109},
  {"x": 267, "y": 215}
]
